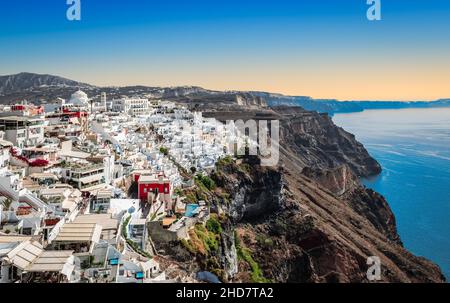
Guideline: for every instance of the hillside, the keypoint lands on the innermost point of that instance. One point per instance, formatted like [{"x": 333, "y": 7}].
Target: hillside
[
  {"x": 308, "y": 219},
  {"x": 27, "y": 82}
]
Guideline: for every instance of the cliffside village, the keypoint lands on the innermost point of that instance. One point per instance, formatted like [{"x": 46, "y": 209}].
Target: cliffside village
[{"x": 87, "y": 188}]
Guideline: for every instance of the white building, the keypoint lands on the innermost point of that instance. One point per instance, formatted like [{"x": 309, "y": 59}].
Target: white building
[
  {"x": 109, "y": 164},
  {"x": 85, "y": 176},
  {"x": 100, "y": 106},
  {"x": 80, "y": 98},
  {"x": 23, "y": 131},
  {"x": 5, "y": 146},
  {"x": 131, "y": 106}
]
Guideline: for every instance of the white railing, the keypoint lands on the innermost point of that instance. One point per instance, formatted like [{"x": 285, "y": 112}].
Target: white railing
[
  {"x": 68, "y": 218},
  {"x": 55, "y": 231}
]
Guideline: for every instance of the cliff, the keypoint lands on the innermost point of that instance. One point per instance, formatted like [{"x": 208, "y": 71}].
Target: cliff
[
  {"x": 313, "y": 140},
  {"x": 308, "y": 219},
  {"x": 297, "y": 230}
]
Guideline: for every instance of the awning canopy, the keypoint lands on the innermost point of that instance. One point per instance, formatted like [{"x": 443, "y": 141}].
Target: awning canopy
[
  {"x": 51, "y": 261},
  {"x": 79, "y": 232},
  {"x": 25, "y": 254}
]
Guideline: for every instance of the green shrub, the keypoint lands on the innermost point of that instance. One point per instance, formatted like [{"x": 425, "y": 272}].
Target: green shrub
[
  {"x": 244, "y": 254},
  {"x": 186, "y": 244},
  {"x": 245, "y": 167},
  {"x": 226, "y": 196},
  {"x": 164, "y": 150},
  {"x": 206, "y": 181},
  {"x": 264, "y": 241},
  {"x": 124, "y": 227},
  {"x": 191, "y": 197},
  {"x": 224, "y": 162},
  {"x": 208, "y": 238},
  {"x": 135, "y": 247},
  {"x": 213, "y": 225},
  {"x": 7, "y": 204}
]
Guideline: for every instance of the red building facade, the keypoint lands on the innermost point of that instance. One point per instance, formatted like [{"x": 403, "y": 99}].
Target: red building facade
[{"x": 153, "y": 184}]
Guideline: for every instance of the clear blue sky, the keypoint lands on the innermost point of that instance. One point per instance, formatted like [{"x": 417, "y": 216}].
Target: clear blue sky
[{"x": 323, "y": 48}]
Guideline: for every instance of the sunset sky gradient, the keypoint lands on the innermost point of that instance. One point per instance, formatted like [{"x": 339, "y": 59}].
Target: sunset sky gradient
[{"x": 319, "y": 48}]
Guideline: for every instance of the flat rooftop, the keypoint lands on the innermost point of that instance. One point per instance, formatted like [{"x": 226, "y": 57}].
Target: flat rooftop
[
  {"x": 31, "y": 256},
  {"x": 14, "y": 238},
  {"x": 153, "y": 178},
  {"x": 40, "y": 149},
  {"x": 4, "y": 143},
  {"x": 104, "y": 194},
  {"x": 106, "y": 221},
  {"x": 43, "y": 176},
  {"x": 168, "y": 221},
  {"x": 53, "y": 191},
  {"x": 79, "y": 232},
  {"x": 50, "y": 261},
  {"x": 21, "y": 118}
]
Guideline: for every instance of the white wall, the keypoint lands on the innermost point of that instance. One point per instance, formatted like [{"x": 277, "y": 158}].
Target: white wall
[
  {"x": 109, "y": 169},
  {"x": 4, "y": 270}
]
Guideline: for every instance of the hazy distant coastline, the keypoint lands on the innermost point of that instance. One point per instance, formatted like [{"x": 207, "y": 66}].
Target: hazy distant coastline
[
  {"x": 332, "y": 106},
  {"x": 40, "y": 89}
]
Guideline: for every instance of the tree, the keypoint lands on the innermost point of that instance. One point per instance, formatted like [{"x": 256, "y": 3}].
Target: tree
[
  {"x": 7, "y": 204},
  {"x": 164, "y": 151}
]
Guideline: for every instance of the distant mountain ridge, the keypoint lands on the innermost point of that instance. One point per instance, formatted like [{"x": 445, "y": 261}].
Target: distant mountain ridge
[
  {"x": 41, "y": 88},
  {"x": 27, "y": 81}
]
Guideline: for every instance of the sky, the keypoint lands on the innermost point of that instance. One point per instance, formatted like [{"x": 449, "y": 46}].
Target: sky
[{"x": 318, "y": 48}]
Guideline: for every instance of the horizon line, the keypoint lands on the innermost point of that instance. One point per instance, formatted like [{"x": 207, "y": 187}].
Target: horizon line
[{"x": 230, "y": 90}]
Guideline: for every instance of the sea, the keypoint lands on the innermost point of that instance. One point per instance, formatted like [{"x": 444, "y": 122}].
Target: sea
[{"x": 413, "y": 147}]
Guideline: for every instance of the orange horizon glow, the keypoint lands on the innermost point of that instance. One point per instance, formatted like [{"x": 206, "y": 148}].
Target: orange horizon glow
[{"x": 376, "y": 86}]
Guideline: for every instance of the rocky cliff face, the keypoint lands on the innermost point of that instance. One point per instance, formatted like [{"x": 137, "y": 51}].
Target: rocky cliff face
[
  {"x": 314, "y": 141},
  {"x": 296, "y": 230},
  {"x": 249, "y": 100},
  {"x": 309, "y": 219},
  {"x": 338, "y": 180}
]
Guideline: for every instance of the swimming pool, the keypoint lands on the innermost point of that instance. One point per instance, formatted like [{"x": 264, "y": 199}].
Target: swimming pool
[{"x": 190, "y": 209}]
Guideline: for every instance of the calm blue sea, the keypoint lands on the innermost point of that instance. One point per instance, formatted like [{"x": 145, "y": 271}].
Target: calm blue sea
[{"x": 413, "y": 146}]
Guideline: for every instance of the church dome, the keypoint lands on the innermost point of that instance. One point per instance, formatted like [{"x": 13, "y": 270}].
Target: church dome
[{"x": 79, "y": 98}]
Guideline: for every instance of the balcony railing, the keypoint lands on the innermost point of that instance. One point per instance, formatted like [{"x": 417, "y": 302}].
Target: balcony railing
[{"x": 87, "y": 168}]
